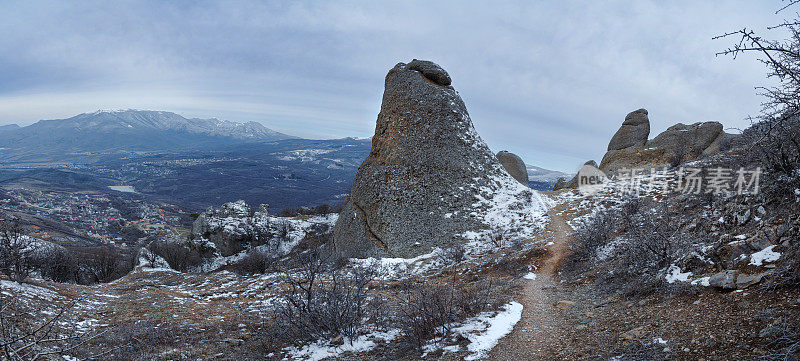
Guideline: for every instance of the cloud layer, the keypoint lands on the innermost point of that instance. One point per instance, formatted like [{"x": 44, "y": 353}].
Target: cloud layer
[{"x": 550, "y": 81}]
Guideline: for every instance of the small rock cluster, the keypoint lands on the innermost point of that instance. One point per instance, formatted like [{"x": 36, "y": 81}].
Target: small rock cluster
[
  {"x": 630, "y": 146},
  {"x": 232, "y": 226}
]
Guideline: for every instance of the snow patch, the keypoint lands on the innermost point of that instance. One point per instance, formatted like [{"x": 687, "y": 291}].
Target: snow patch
[
  {"x": 674, "y": 274},
  {"x": 322, "y": 349},
  {"x": 485, "y": 331},
  {"x": 765, "y": 255}
]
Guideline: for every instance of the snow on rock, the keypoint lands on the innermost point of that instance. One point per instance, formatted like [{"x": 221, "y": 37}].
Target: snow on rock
[
  {"x": 530, "y": 276},
  {"x": 400, "y": 268},
  {"x": 702, "y": 282},
  {"x": 765, "y": 255},
  {"x": 513, "y": 206}
]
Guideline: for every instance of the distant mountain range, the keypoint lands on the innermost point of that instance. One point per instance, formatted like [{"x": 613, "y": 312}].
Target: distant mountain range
[
  {"x": 125, "y": 131},
  {"x": 5, "y": 128},
  {"x": 191, "y": 162}
]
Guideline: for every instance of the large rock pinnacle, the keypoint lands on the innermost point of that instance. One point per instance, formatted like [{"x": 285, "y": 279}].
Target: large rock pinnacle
[{"x": 429, "y": 178}]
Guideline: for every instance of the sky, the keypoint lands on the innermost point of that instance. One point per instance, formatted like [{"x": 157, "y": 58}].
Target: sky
[{"x": 548, "y": 80}]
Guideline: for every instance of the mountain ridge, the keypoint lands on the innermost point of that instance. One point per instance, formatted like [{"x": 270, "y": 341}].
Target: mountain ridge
[{"x": 114, "y": 131}]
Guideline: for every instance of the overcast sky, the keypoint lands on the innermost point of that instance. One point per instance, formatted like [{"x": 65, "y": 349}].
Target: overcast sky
[{"x": 550, "y": 81}]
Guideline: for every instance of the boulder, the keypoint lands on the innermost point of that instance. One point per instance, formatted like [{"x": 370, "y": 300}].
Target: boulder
[
  {"x": 431, "y": 71},
  {"x": 743, "y": 280},
  {"x": 234, "y": 209},
  {"x": 232, "y": 227},
  {"x": 725, "y": 280},
  {"x": 687, "y": 141},
  {"x": 633, "y": 132},
  {"x": 627, "y": 143},
  {"x": 429, "y": 180},
  {"x": 514, "y": 165}
]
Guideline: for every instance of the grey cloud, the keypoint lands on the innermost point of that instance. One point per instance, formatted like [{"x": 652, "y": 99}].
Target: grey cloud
[{"x": 548, "y": 80}]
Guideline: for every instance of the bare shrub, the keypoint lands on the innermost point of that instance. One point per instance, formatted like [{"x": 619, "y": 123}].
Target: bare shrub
[
  {"x": 773, "y": 141},
  {"x": 178, "y": 256},
  {"x": 283, "y": 232},
  {"x": 595, "y": 233},
  {"x": 256, "y": 261},
  {"x": 783, "y": 340},
  {"x": 59, "y": 265},
  {"x": 787, "y": 272},
  {"x": 654, "y": 241},
  {"x": 322, "y": 301},
  {"x": 427, "y": 312},
  {"x": 454, "y": 254},
  {"x": 105, "y": 264},
  {"x": 24, "y": 338},
  {"x": 16, "y": 251},
  {"x": 641, "y": 350},
  {"x": 642, "y": 240},
  {"x": 497, "y": 238},
  {"x": 511, "y": 265}
]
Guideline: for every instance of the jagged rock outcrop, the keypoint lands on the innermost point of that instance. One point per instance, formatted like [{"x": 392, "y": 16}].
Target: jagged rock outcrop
[
  {"x": 231, "y": 227},
  {"x": 514, "y": 165},
  {"x": 630, "y": 148},
  {"x": 429, "y": 178},
  {"x": 573, "y": 183},
  {"x": 561, "y": 183}
]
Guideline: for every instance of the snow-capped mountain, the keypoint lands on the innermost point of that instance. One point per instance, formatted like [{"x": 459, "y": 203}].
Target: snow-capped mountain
[
  {"x": 539, "y": 174},
  {"x": 122, "y": 120},
  {"x": 129, "y": 131}
]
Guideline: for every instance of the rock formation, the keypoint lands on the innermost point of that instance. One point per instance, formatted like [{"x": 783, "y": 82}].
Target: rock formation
[
  {"x": 561, "y": 183},
  {"x": 630, "y": 146},
  {"x": 514, "y": 165},
  {"x": 633, "y": 132},
  {"x": 573, "y": 183},
  {"x": 429, "y": 180},
  {"x": 230, "y": 227}
]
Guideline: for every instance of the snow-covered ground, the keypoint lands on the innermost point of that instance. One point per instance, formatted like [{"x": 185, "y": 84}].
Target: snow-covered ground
[{"x": 483, "y": 331}]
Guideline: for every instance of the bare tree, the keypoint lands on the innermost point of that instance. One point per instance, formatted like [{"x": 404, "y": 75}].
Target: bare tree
[
  {"x": 774, "y": 137},
  {"x": 15, "y": 251}
]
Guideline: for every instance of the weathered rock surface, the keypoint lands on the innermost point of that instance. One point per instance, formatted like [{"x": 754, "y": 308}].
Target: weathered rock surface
[
  {"x": 230, "y": 227},
  {"x": 732, "y": 279},
  {"x": 561, "y": 183},
  {"x": 514, "y": 165},
  {"x": 630, "y": 148},
  {"x": 429, "y": 178},
  {"x": 633, "y": 132},
  {"x": 725, "y": 279},
  {"x": 431, "y": 71}
]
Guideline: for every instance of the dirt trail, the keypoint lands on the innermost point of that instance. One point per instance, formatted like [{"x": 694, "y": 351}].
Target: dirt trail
[{"x": 538, "y": 334}]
